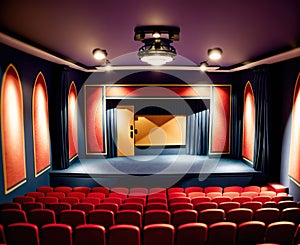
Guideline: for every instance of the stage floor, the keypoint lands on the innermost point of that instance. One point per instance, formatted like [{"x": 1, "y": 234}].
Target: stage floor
[{"x": 157, "y": 164}]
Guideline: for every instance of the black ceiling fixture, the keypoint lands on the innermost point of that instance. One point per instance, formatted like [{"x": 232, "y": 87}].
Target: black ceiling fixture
[{"x": 157, "y": 49}]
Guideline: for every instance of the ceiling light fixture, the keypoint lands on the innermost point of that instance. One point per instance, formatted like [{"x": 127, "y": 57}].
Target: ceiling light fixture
[
  {"x": 157, "y": 50},
  {"x": 215, "y": 53},
  {"x": 203, "y": 66},
  {"x": 99, "y": 54}
]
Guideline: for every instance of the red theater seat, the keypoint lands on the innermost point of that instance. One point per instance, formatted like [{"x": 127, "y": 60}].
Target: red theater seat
[
  {"x": 123, "y": 190},
  {"x": 70, "y": 200},
  {"x": 192, "y": 233},
  {"x": 28, "y": 206},
  {"x": 234, "y": 188},
  {"x": 22, "y": 234},
  {"x": 47, "y": 200},
  {"x": 239, "y": 215},
  {"x": 132, "y": 206},
  {"x": 267, "y": 215},
  {"x": 227, "y": 206},
  {"x": 58, "y": 194},
  {"x": 110, "y": 199},
  {"x": 92, "y": 200},
  {"x": 65, "y": 189},
  {"x": 83, "y": 189},
  {"x": 45, "y": 189},
  {"x": 205, "y": 205},
  {"x": 86, "y": 207},
  {"x": 58, "y": 207},
  {"x": 10, "y": 216},
  {"x": 35, "y": 194},
  {"x": 10, "y": 205},
  {"x": 211, "y": 216},
  {"x": 101, "y": 189},
  {"x": 220, "y": 199},
  {"x": 90, "y": 234},
  {"x": 129, "y": 217},
  {"x": 291, "y": 214},
  {"x": 158, "y": 234},
  {"x": 281, "y": 232},
  {"x": 72, "y": 218},
  {"x": 99, "y": 195},
  {"x": 241, "y": 199},
  {"x": 252, "y": 205},
  {"x": 108, "y": 206},
  {"x": 125, "y": 235},
  {"x": 2, "y": 235},
  {"x": 138, "y": 190},
  {"x": 156, "y": 206},
  {"x": 178, "y": 206},
  {"x": 80, "y": 195},
  {"x": 23, "y": 199},
  {"x": 190, "y": 189},
  {"x": 254, "y": 188},
  {"x": 250, "y": 233},
  {"x": 42, "y": 217},
  {"x": 157, "y": 216},
  {"x": 58, "y": 234},
  {"x": 231, "y": 194},
  {"x": 213, "y": 189},
  {"x": 175, "y": 189},
  {"x": 183, "y": 216},
  {"x": 179, "y": 200},
  {"x": 286, "y": 204},
  {"x": 197, "y": 200},
  {"x": 222, "y": 233},
  {"x": 101, "y": 217},
  {"x": 139, "y": 200}
]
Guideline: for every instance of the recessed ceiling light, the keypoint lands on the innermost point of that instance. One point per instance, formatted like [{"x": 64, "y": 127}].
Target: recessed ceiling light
[
  {"x": 99, "y": 54},
  {"x": 215, "y": 53},
  {"x": 203, "y": 66}
]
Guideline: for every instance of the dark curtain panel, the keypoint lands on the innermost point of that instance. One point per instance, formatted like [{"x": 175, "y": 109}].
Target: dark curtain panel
[
  {"x": 197, "y": 133},
  {"x": 111, "y": 125},
  {"x": 59, "y": 120},
  {"x": 236, "y": 120},
  {"x": 260, "y": 83}
]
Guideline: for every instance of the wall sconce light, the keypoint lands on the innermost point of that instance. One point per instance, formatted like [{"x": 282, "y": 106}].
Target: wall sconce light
[
  {"x": 215, "y": 53},
  {"x": 99, "y": 54}
]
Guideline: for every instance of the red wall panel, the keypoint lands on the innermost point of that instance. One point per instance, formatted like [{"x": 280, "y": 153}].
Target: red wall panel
[
  {"x": 294, "y": 163},
  {"x": 220, "y": 123},
  {"x": 95, "y": 120},
  {"x": 248, "y": 124},
  {"x": 12, "y": 127},
  {"x": 41, "y": 135},
  {"x": 72, "y": 121}
]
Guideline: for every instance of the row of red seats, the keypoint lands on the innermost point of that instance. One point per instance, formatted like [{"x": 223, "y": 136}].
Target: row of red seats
[
  {"x": 107, "y": 218},
  {"x": 144, "y": 190},
  {"x": 251, "y": 232}
]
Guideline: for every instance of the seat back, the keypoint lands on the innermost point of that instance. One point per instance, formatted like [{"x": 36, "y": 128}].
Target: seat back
[
  {"x": 101, "y": 189},
  {"x": 281, "y": 232},
  {"x": 179, "y": 200},
  {"x": 35, "y": 194},
  {"x": 291, "y": 214},
  {"x": 286, "y": 204},
  {"x": 65, "y": 189},
  {"x": 58, "y": 207},
  {"x": 72, "y": 217},
  {"x": 45, "y": 189},
  {"x": 108, "y": 206},
  {"x": 83, "y": 189},
  {"x": 124, "y": 234},
  {"x": 184, "y": 216},
  {"x": 58, "y": 194},
  {"x": 101, "y": 217},
  {"x": 48, "y": 199},
  {"x": 222, "y": 233},
  {"x": 239, "y": 215},
  {"x": 227, "y": 206},
  {"x": 211, "y": 216},
  {"x": 86, "y": 207},
  {"x": 157, "y": 216},
  {"x": 22, "y": 234},
  {"x": 252, "y": 188},
  {"x": 23, "y": 199},
  {"x": 213, "y": 189},
  {"x": 138, "y": 190},
  {"x": 70, "y": 200},
  {"x": 178, "y": 206},
  {"x": 90, "y": 234},
  {"x": 205, "y": 205},
  {"x": 252, "y": 205},
  {"x": 28, "y": 206},
  {"x": 132, "y": 206},
  {"x": 10, "y": 205},
  {"x": 158, "y": 234},
  {"x": 2, "y": 234},
  {"x": 78, "y": 194},
  {"x": 191, "y": 233},
  {"x": 10, "y": 216},
  {"x": 129, "y": 217},
  {"x": 220, "y": 199},
  {"x": 266, "y": 215},
  {"x": 123, "y": 190},
  {"x": 250, "y": 233},
  {"x": 233, "y": 188},
  {"x": 241, "y": 199},
  {"x": 197, "y": 200},
  {"x": 190, "y": 189},
  {"x": 58, "y": 234},
  {"x": 42, "y": 217},
  {"x": 175, "y": 189}
]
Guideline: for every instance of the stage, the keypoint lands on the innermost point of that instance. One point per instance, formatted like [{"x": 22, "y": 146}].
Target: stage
[{"x": 156, "y": 170}]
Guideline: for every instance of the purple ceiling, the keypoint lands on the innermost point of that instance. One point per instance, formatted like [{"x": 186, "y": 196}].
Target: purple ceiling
[{"x": 72, "y": 29}]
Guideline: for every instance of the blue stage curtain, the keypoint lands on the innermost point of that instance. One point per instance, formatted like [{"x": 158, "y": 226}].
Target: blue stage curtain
[
  {"x": 59, "y": 120},
  {"x": 197, "y": 133},
  {"x": 261, "y": 85}
]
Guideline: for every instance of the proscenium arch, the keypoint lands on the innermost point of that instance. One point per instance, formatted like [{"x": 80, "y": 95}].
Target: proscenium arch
[{"x": 72, "y": 121}]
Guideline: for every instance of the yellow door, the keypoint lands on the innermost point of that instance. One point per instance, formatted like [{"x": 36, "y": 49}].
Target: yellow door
[{"x": 125, "y": 130}]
